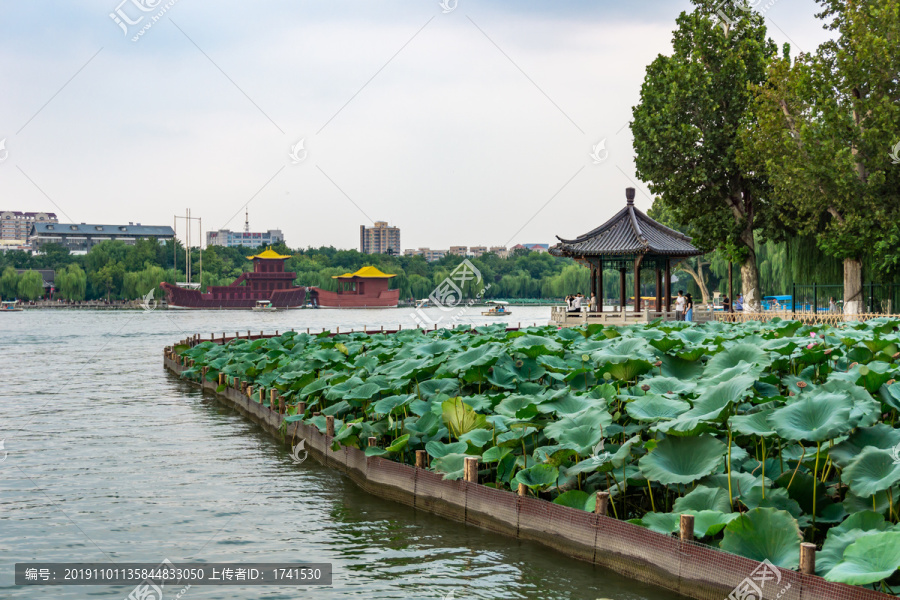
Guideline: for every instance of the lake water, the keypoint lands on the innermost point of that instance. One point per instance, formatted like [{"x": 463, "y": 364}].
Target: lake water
[{"x": 109, "y": 458}]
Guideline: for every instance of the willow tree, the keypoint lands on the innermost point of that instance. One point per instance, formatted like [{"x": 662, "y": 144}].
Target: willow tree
[
  {"x": 31, "y": 285},
  {"x": 824, "y": 128},
  {"x": 686, "y": 130}
]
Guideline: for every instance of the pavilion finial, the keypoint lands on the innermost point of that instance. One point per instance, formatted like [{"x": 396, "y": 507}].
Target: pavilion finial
[{"x": 629, "y": 194}]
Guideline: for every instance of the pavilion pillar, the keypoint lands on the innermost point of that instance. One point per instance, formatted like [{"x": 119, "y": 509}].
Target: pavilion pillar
[
  {"x": 600, "y": 286},
  {"x": 637, "y": 284},
  {"x": 658, "y": 288},
  {"x": 622, "y": 289},
  {"x": 668, "y": 285},
  {"x": 593, "y": 280}
]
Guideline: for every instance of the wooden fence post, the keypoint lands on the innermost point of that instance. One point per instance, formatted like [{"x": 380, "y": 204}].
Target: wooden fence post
[
  {"x": 602, "y": 503},
  {"x": 421, "y": 459},
  {"x": 301, "y": 408},
  {"x": 373, "y": 441},
  {"x": 262, "y": 393},
  {"x": 687, "y": 528},
  {"x": 273, "y": 393},
  {"x": 221, "y": 378},
  {"x": 808, "y": 558},
  {"x": 280, "y": 404},
  {"x": 471, "y": 469},
  {"x": 329, "y": 425},
  {"x": 522, "y": 491},
  {"x": 250, "y": 392}
]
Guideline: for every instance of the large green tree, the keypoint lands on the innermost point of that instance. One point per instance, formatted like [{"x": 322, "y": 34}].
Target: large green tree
[
  {"x": 824, "y": 128},
  {"x": 686, "y": 128},
  {"x": 9, "y": 284},
  {"x": 31, "y": 285},
  {"x": 71, "y": 283}
]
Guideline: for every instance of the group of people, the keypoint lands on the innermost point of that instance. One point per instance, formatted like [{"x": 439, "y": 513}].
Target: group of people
[
  {"x": 575, "y": 303},
  {"x": 684, "y": 307}
]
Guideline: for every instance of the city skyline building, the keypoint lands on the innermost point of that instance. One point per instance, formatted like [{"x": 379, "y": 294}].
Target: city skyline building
[
  {"x": 381, "y": 238},
  {"x": 244, "y": 239}
]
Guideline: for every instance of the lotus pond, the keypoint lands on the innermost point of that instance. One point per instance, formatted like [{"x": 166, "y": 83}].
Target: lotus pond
[{"x": 768, "y": 433}]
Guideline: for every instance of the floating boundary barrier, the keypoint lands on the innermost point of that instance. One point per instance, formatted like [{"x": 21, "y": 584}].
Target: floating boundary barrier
[{"x": 686, "y": 567}]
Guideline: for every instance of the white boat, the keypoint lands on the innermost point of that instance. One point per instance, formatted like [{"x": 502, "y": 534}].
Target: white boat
[
  {"x": 498, "y": 309},
  {"x": 422, "y": 303},
  {"x": 10, "y": 306},
  {"x": 264, "y": 306}
]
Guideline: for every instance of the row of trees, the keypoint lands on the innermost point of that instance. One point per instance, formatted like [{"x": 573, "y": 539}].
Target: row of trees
[
  {"x": 114, "y": 270},
  {"x": 744, "y": 145}
]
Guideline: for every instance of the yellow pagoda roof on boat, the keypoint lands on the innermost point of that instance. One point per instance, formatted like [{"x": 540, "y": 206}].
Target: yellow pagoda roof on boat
[
  {"x": 367, "y": 272},
  {"x": 268, "y": 253}
]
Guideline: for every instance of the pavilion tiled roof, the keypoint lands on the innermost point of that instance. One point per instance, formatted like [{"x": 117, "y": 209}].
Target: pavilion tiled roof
[{"x": 629, "y": 232}]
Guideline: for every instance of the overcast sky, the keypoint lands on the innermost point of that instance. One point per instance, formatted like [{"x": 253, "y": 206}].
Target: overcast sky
[{"x": 466, "y": 127}]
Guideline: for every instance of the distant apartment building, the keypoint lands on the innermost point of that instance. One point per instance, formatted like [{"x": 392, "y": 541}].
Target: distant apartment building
[
  {"x": 379, "y": 239},
  {"x": 15, "y": 226},
  {"x": 79, "y": 238},
  {"x": 459, "y": 250},
  {"x": 426, "y": 253},
  {"x": 478, "y": 251},
  {"x": 500, "y": 251},
  {"x": 531, "y": 247},
  {"x": 244, "y": 239}
]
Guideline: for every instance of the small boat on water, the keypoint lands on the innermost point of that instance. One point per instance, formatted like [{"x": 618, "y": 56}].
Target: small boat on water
[
  {"x": 264, "y": 306},
  {"x": 10, "y": 306},
  {"x": 422, "y": 303},
  {"x": 498, "y": 309}
]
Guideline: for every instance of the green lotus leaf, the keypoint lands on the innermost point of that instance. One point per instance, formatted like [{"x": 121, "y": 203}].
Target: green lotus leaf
[
  {"x": 869, "y": 559},
  {"x": 703, "y": 498},
  {"x": 577, "y": 499},
  {"x": 375, "y": 451},
  {"x": 874, "y": 470},
  {"x": 452, "y": 465},
  {"x": 538, "y": 476},
  {"x": 666, "y": 344},
  {"x": 627, "y": 370},
  {"x": 881, "y": 436},
  {"x": 485, "y": 355},
  {"x": 664, "y": 523},
  {"x": 399, "y": 444},
  {"x": 732, "y": 357},
  {"x": 764, "y": 533},
  {"x": 495, "y": 454},
  {"x": 682, "y": 459},
  {"x": 814, "y": 419},
  {"x": 753, "y": 424},
  {"x": 437, "y": 449},
  {"x": 596, "y": 417},
  {"x": 568, "y": 404},
  {"x": 511, "y": 405},
  {"x": 386, "y": 405},
  {"x": 432, "y": 387},
  {"x": 652, "y": 408},
  {"x": 460, "y": 418},
  {"x": 890, "y": 395},
  {"x": 477, "y": 437},
  {"x": 836, "y": 543},
  {"x": 533, "y": 345},
  {"x": 669, "y": 385}
]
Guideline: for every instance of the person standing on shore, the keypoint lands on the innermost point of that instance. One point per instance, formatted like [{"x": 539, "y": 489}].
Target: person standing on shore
[
  {"x": 593, "y": 304},
  {"x": 680, "y": 301},
  {"x": 689, "y": 308}
]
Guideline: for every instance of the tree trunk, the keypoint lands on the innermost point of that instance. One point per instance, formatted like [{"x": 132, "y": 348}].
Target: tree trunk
[
  {"x": 750, "y": 282},
  {"x": 853, "y": 296},
  {"x": 699, "y": 279}
]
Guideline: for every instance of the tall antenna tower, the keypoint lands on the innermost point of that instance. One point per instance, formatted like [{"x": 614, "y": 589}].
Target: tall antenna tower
[{"x": 246, "y": 220}]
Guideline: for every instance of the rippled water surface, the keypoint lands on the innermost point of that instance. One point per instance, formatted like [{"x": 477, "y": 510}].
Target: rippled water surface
[{"x": 112, "y": 459}]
